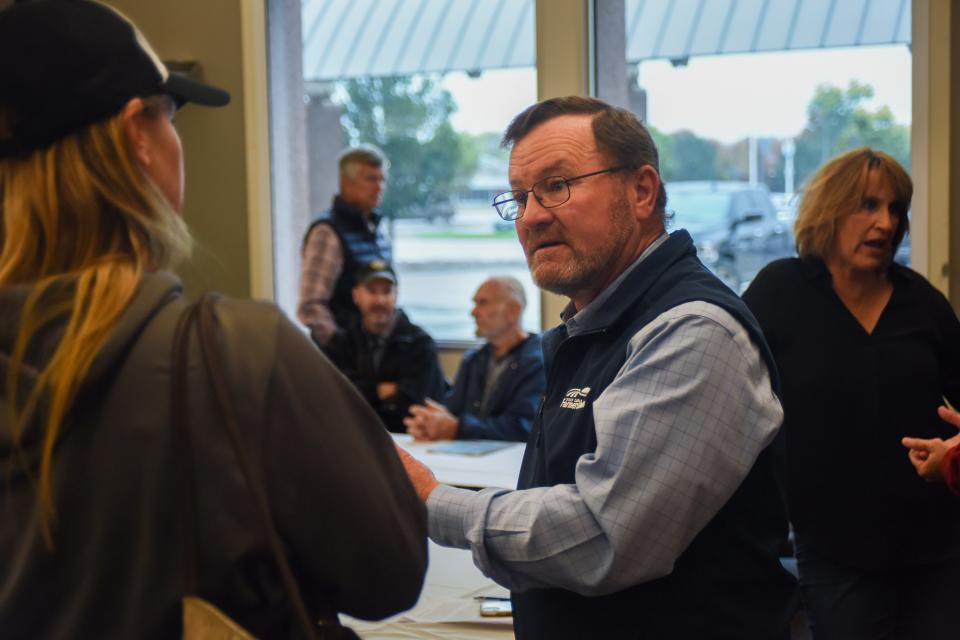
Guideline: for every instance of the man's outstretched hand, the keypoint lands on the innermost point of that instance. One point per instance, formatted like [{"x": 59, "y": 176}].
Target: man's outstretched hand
[{"x": 420, "y": 475}]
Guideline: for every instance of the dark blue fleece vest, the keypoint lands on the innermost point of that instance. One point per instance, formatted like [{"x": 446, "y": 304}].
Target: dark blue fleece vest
[
  {"x": 360, "y": 246},
  {"x": 728, "y": 583}
]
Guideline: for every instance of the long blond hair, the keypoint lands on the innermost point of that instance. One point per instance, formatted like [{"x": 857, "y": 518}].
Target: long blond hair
[
  {"x": 837, "y": 190},
  {"x": 80, "y": 223}
]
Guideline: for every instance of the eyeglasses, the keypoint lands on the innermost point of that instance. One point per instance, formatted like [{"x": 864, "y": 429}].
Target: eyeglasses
[{"x": 550, "y": 192}]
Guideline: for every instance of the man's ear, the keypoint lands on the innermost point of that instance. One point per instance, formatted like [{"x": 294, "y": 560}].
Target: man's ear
[
  {"x": 643, "y": 188},
  {"x": 516, "y": 311},
  {"x": 353, "y": 294},
  {"x": 135, "y": 123}
]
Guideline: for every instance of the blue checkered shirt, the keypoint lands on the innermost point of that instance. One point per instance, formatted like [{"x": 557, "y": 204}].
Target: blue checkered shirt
[{"x": 678, "y": 430}]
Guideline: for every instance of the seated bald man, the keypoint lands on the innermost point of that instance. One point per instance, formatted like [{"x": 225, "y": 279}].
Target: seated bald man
[{"x": 499, "y": 386}]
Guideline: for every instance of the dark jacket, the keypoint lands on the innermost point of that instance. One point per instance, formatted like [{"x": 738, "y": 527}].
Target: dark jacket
[
  {"x": 116, "y": 568},
  {"x": 513, "y": 402},
  {"x": 409, "y": 359},
  {"x": 728, "y": 583},
  {"x": 360, "y": 245},
  {"x": 848, "y": 398}
]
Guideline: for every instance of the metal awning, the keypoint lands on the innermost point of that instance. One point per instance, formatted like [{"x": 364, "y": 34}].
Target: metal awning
[
  {"x": 679, "y": 29},
  {"x": 351, "y": 38}
]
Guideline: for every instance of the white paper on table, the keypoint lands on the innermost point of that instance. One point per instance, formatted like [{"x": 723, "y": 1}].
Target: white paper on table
[{"x": 452, "y": 610}]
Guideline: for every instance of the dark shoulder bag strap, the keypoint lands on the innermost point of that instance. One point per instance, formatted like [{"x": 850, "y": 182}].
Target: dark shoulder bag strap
[
  {"x": 186, "y": 483},
  {"x": 328, "y": 624}
]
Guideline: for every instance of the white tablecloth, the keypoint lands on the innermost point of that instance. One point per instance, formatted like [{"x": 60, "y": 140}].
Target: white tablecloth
[{"x": 452, "y": 580}]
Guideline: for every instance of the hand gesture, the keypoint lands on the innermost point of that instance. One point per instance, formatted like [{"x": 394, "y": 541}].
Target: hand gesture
[
  {"x": 926, "y": 455},
  {"x": 431, "y": 422}
]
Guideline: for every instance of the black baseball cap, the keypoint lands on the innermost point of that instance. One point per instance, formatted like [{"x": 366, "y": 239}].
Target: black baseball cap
[
  {"x": 376, "y": 270},
  {"x": 65, "y": 64}
]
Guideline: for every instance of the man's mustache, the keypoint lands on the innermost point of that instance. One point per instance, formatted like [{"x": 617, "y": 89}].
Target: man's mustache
[{"x": 536, "y": 238}]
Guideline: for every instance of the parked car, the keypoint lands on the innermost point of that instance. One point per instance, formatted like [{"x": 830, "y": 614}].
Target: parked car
[{"x": 734, "y": 225}]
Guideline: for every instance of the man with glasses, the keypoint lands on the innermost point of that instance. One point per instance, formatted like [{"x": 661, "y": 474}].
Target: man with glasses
[
  {"x": 340, "y": 241},
  {"x": 649, "y": 502}
]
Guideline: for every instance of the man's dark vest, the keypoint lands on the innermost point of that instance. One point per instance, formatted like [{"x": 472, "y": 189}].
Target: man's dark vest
[
  {"x": 728, "y": 583},
  {"x": 360, "y": 246}
]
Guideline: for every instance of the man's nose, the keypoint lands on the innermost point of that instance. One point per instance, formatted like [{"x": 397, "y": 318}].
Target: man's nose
[{"x": 535, "y": 214}]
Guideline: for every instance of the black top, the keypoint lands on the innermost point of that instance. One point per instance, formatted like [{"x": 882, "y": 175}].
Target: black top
[
  {"x": 408, "y": 357},
  {"x": 849, "y": 397}
]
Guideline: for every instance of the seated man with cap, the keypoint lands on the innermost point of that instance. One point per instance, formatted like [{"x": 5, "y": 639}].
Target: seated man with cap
[{"x": 391, "y": 361}]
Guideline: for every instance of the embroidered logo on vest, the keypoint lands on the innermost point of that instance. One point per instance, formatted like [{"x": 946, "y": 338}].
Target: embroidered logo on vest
[{"x": 574, "y": 399}]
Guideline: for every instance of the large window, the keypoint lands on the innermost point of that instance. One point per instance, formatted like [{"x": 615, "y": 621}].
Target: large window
[
  {"x": 442, "y": 135},
  {"x": 433, "y": 83},
  {"x": 747, "y": 99}
]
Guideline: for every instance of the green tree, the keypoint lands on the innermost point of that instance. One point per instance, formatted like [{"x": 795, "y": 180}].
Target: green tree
[
  {"x": 695, "y": 158},
  {"x": 477, "y": 149},
  {"x": 686, "y": 156},
  {"x": 664, "y": 148},
  {"x": 408, "y": 117},
  {"x": 837, "y": 120}
]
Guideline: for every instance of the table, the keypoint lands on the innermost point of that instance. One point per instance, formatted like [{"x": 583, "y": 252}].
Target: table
[
  {"x": 451, "y": 583},
  {"x": 452, "y": 580},
  {"x": 496, "y": 469}
]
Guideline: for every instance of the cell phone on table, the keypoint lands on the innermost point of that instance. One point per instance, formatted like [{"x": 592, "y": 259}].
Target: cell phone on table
[{"x": 496, "y": 608}]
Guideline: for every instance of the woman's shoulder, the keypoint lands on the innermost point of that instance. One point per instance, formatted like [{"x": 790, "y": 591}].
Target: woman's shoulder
[
  {"x": 774, "y": 278},
  {"x": 914, "y": 279},
  {"x": 781, "y": 268},
  {"x": 919, "y": 288},
  {"x": 254, "y": 316},
  {"x": 257, "y": 331}
]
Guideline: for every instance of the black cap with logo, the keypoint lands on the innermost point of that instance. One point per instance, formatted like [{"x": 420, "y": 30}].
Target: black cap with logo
[
  {"x": 65, "y": 64},
  {"x": 376, "y": 270}
]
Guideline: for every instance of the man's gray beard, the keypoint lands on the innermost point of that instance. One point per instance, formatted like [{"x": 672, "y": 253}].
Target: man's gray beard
[
  {"x": 560, "y": 288},
  {"x": 586, "y": 269}
]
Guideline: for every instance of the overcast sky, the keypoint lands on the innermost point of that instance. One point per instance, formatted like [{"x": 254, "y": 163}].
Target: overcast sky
[{"x": 725, "y": 98}]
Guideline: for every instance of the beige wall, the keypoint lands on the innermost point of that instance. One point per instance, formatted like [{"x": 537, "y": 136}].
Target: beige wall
[
  {"x": 954, "y": 179},
  {"x": 209, "y": 32},
  {"x": 450, "y": 361},
  {"x": 935, "y": 163}
]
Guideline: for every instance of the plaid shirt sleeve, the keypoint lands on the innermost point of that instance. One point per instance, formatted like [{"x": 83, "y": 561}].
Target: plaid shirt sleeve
[
  {"x": 321, "y": 267},
  {"x": 678, "y": 430}
]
